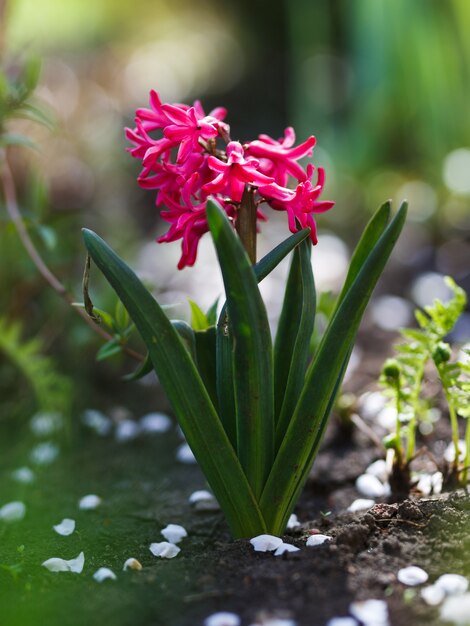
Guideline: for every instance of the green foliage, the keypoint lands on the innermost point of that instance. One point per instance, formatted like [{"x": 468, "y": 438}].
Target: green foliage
[
  {"x": 403, "y": 376},
  {"x": 52, "y": 390},
  {"x": 223, "y": 391}
]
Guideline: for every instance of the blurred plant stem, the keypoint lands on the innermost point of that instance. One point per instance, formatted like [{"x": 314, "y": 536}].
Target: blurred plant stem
[{"x": 8, "y": 187}]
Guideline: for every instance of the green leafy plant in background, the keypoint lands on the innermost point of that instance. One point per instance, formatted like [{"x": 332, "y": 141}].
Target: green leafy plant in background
[
  {"x": 52, "y": 390},
  {"x": 403, "y": 378}
]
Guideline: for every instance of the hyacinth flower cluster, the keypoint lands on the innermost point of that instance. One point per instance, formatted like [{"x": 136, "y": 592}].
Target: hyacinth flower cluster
[
  {"x": 193, "y": 159},
  {"x": 253, "y": 408}
]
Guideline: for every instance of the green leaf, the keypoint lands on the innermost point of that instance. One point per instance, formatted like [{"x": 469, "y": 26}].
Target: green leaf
[
  {"x": 307, "y": 425},
  {"x": 211, "y": 314},
  {"x": 271, "y": 260},
  {"x": 109, "y": 349},
  {"x": 145, "y": 368},
  {"x": 224, "y": 347},
  {"x": 292, "y": 346},
  {"x": 186, "y": 335},
  {"x": 205, "y": 341},
  {"x": 186, "y": 392},
  {"x": 372, "y": 233},
  {"x": 199, "y": 319},
  {"x": 252, "y": 351},
  {"x": 121, "y": 317}
]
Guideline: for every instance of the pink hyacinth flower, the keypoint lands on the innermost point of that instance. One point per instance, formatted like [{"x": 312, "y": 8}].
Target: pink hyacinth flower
[
  {"x": 278, "y": 158},
  {"x": 299, "y": 203},
  {"x": 235, "y": 173}
]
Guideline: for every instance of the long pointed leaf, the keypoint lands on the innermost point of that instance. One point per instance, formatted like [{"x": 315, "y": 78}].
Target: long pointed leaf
[
  {"x": 182, "y": 383},
  {"x": 224, "y": 344},
  {"x": 292, "y": 346},
  {"x": 294, "y": 458},
  {"x": 252, "y": 352}
]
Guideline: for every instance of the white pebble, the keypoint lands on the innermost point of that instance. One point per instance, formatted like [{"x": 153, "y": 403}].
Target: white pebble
[
  {"x": 452, "y": 584},
  {"x": 44, "y": 453},
  {"x": 200, "y": 496},
  {"x": 184, "y": 454},
  {"x": 174, "y": 533},
  {"x": 65, "y": 528},
  {"x": 387, "y": 418},
  {"x": 412, "y": 576},
  {"x": 430, "y": 483},
  {"x": 342, "y": 621},
  {"x": 361, "y": 504},
  {"x": 265, "y": 543},
  {"x": 13, "y": 511},
  {"x": 433, "y": 595},
  {"x": 285, "y": 547},
  {"x": 371, "y": 404},
  {"x": 155, "y": 423},
  {"x": 132, "y": 564},
  {"x": 222, "y": 619},
  {"x": 89, "y": 502},
  {"x": 23, "y": 475},
  {"x": 317, "y": 540},
  {"x": 46, "y": 424},
  {"x": 275, "y": 621},
  {"x": 61, "y": 565},
  {"x": 164, "y": 549},
  {"x": 126, "y": 430},
  {"x": 370, "y": 612},
  {"x": 293, "y": 522},
  {"x": 456, "y": 609},
  {"x": 97, "y": 421},
  {"x": 378, "y": 469},
  {"x": 449, "y": 454},
  {"x": 370, "y": 486},
  {"x": 104, "y": 573}
]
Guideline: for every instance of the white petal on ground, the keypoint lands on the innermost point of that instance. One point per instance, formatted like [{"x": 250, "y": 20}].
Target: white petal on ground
[
  {"x": 433, "y": 595},
  {"x": 412, "y": 576},
  {"x": 13, "y": 511},
  {"x": 265, "y": 543},
  {"x": 378, "y": 469},
  {"x": 293, "y": 522},
  {"x": 456, "y": 609},
  {"x": 361, "y": 504},
  {"x": 89, "y": 502},
  {"x": 200, "y": 496},
  {"x": 61, "y": 565},
  {"x": 46, "y": 424},
  {"x": 132, "y": 564},
  {"x": 285, "y": 547},
  {"x": 66, "y": 527},
  {"x": 126, "y": 430},
  {"x": 449, "y": 454},
  {"x": 222, "y": 619},
  {"x": 155, "y": 423},
  {"x": 23, "y": 475},
  {"x": 342, "y": 621},
  {"x": 184, "y": 454},
  {"x": 317, "y": 540},
  {"x": 452, "y": 584},
  {"x": 97, "y": 421},
  {"x": 44, "y": 453},
  {"x": 104, "y": 573},
  {"x": 387, "y": 418},
  {"x": 370, "y": 612},
  {"x": 371, "y": 403},
  {"x": 164, "y": 549},
  {"x": 174, "y": 533},
  {"x": 370, "y": 486}
]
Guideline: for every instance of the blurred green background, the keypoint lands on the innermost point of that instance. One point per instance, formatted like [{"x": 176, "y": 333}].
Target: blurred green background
[{"x": 384, "y": 85}]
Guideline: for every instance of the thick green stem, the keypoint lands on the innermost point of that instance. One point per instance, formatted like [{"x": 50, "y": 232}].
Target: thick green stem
[
  {"x": 246, "y": 223},
  {"x": 413, "y": 422}
]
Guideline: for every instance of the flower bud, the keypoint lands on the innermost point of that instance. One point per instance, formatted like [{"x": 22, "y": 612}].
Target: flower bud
[
  {"x": 442, "y": 353},
  {"x": 391, "y": 369}
]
